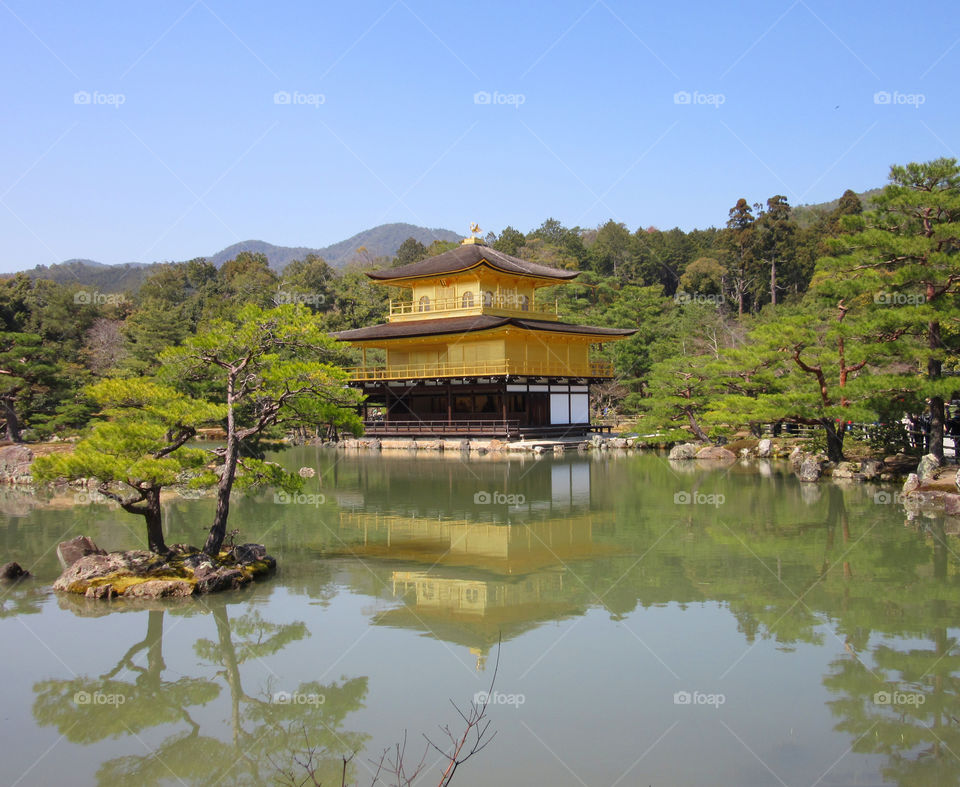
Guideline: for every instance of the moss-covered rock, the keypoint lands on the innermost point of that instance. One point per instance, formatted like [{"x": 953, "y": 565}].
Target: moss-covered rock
[{"x": 185, "y": 571}]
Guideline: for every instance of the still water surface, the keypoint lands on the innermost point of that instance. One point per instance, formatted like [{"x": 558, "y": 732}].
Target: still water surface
[{"x": 660, "y": 625}]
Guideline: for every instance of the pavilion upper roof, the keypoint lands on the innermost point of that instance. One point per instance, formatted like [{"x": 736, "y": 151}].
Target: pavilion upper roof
[
  {"x": 470, "y": 324},
  {"x": 470, "y": 255}
]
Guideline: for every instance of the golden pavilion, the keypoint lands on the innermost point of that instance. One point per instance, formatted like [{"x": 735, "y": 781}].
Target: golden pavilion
[{"x": 471, "y": 350}]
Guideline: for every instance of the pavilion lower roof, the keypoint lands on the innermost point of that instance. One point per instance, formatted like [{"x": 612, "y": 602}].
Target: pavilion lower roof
[{"x": 472, "y": 324}]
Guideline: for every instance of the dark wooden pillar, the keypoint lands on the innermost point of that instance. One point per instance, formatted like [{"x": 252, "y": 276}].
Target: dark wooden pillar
[{"x": 503, "y": 407}]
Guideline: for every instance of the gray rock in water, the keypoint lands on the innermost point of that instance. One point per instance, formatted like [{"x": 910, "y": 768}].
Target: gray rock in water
[
  {"x": 845, "y": 470},
  {"x": 927, "y": 469},
  {"x": 160, "y": 588},
  {"x": 810, "y": 469},
  {"x": 871, "y": 469},
  {"x": 104, "y": 592},
  {"x": 912, "y": 484},
  {"x": 714, "y": 453},
  {"x": 765, "y": 448},
  {"x": 796, "y": 459},
  {"x": 213, "y": 580},
  {"x": 96, "y": 566},
  {"x": 69, "y": 552},
  {"x": 13, "y": 571},
  {"x": 249, "y": 553},
  {"x": 306, "y": 472},
  {"x": 684, "y": 451}
]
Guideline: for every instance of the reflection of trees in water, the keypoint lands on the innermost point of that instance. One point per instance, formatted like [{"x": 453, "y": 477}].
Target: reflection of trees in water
[
  {"x": 23, "y": 596},
  {"x": 904, "y": 701},
  {"x": 86, "y": 710}
]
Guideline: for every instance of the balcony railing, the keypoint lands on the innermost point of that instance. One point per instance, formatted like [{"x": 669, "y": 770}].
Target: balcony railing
[
  {"x": 498, "y": 302},
  {"x": 480, "y": 369}
]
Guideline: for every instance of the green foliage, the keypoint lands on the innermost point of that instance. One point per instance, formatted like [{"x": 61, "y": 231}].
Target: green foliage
[
  {"x": 140, "y": 421},
  {"x": 410, "y": 251}
]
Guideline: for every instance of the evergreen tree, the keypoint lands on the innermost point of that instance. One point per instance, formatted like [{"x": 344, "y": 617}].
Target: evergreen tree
[
  {"x": 510, "y": 241},
  {"x": 138, "y": 449},
  {"x": 903, "y": 257},
  {"x": 411, "y": 250},
  {"x": 28, "y": 372},
  {"x": 739, "y": 241},
  {"x": 269, "y": 369}
]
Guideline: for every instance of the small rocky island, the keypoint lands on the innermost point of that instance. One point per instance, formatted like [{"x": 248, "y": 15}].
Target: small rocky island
[{"x": 183, "y": 571}]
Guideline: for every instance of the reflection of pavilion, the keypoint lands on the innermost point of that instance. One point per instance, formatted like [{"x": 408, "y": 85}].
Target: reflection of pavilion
[
  {"x": 470, "y": 582},
  {"x": 514, "y": 549},
  {"x": 482, "y": 581},
  {"x": 475, "y": 612}
]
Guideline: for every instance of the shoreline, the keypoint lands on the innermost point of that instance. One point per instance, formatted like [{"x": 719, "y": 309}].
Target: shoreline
[{"x": 925, "y": 481}]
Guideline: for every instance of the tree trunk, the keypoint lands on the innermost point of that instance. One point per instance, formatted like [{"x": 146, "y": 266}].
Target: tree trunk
[
  {"x": 13, "y": 422},
  {"x": 697, "y": 431},
  {"x": 154, "y": 517},
  {"x": 218, "y": 530},
  {"x": 937, "y": 416},
  {"x": 773, "y": 282},
  {"x": 834, "y": 440},
  {"x": 150, "y": 510}
]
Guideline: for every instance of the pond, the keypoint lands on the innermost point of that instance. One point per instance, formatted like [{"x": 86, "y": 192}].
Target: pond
[{"x": 654, "y": 624}]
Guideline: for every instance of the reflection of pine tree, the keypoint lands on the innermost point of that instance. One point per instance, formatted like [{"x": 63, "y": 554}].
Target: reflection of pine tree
[
  {"x": 261, "y": 730},
  {"x": 265, "y": 731}
]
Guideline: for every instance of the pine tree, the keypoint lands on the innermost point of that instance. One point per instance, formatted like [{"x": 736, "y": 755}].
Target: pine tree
[
  {"x": 903, "y": 258},
  {"x": 138, "y": 449}
]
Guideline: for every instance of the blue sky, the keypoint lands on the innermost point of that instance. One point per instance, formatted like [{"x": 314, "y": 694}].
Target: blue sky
[{"x": 149, "y": 131}]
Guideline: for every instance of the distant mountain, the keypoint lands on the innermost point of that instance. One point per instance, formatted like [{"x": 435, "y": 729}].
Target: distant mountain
[
  {"x": 382, "y": 241},
  {"x": 278, "y": 256},
  {"x": 127, "y": 276},
  {"x": 805, "y": 215}
]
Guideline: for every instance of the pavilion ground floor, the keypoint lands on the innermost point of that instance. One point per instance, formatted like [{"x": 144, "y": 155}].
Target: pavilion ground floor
[{"x": 509, "y": 407}]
